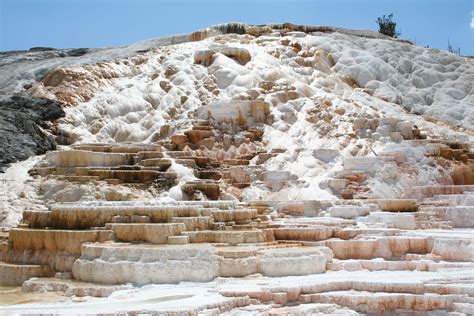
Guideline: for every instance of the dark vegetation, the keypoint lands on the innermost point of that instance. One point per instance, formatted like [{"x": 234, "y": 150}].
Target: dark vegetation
[
  {"x": 387, "y": 26},
  {"x": 237, "y": 28}
]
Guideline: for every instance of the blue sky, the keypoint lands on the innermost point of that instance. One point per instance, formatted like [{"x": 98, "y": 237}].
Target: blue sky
[{"x": 98, "y": 23}]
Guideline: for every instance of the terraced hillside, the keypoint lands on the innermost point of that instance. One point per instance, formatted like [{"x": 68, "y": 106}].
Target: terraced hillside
[{"x": 242, "y": 170}]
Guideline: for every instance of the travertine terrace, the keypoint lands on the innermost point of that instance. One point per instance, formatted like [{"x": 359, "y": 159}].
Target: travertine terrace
[{"x": 281, "y": 170}]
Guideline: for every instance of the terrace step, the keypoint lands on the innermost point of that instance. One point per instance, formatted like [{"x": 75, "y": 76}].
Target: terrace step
[
  {"x": 422, "y": 192},
  {"x": 134, "y": 148},
  {"x": 162, "y": 163},
  {"x": 375, "y": 302},
  {"x": 55, "y": 240},
  {"x": 395, "y": 265},
  {"x": 234, "y": 215},
  {"x": 118, "y": 148},
  {"x": 209, "y": 188},
  {"x": 313, "y": 233},
  {"x": 37, "y": 219},
  {"x": 15, "y": 274},
  {"x": 84, "y": 216},
  {"x": 236, "y": 162},
  {"x": 195, "y": 136},
  {"x": 228, "y": 237},
  {"x": 241, "y": 185},
  {"x": 142, "y": 155},
  {"x": 83, "y": 158},
  {"x": 200, "y": 161},
  {"x": 209, "y": 174},
  {"x": 459, "y": 216},
  {"x": 133, "y": 176},
  {"x": 392, "y": 220},
  {"x": 348, "y": 211},
  {"x": 190, "y": 163},
  {"x": 178, "y": 240},
  {"x": 173, "y": 263},
  {"x": 79, "y": 179},
  {"x": 177, "y": 154},
  {"x": 194, "y": 223},
  {"x": 145, "y": 232},
  {"x": 379, "y": 247}
]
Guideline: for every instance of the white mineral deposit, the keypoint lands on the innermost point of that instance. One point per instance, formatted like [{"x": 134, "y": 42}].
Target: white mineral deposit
[{"x": 285, "y": 170}]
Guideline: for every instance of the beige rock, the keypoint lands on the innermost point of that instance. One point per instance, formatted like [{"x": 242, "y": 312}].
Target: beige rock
[
  {"x": 82, "y": 158},
  {"x": 234, "y": 215},
  {"x": 313, "y": 233},
  {"x": 230, "y": 237},
  {"x": 195, "y": 136},
  {"x": 179, "y": 139},
  {"x": 55, "y": 240},
  {"x": 378, "y": 247},
  {"x": 153, "y": 233},
  {"x": 73, "y": 216},
  {"x": 16, "y": 274}
]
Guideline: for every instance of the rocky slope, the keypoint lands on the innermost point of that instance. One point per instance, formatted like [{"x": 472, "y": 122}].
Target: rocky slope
[
  {"x": 242, "y": 151},
  {"x": 24, "y": 127}
]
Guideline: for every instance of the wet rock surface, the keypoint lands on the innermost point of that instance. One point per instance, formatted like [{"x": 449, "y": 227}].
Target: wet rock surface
[{"x": 24, "y": 124}]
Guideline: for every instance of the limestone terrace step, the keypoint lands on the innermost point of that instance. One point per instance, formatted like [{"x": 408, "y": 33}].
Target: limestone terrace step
[
  {"x": 55, "y": 240},
  {"x": 78, "y": 216},
  {"x": 429, "y": 191},
  {"x": 16, "y": 274},
  {"x": 234, "y": 215},
  {"x": 132, "y": 176},
  {"x": 164, "y": 164},
  {"x": 229, "y": 237},
  {"x": 146, "y": 232},
  {"x": 194, "y": 223}
]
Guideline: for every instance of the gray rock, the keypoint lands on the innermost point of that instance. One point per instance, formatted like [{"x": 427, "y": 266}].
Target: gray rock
[{"x": 23, "y": 122}]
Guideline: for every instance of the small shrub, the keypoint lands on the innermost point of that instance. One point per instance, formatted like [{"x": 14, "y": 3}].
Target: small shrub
[
  {"x": 237, "y": 28},
  {"x": 387, "y": 26}
]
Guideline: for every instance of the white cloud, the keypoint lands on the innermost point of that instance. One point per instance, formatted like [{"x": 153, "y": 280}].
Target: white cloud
[{"x": 472, "y": 19}]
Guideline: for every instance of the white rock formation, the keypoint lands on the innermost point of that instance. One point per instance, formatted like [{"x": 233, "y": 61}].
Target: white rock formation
[{"x": 243, "y": 170}]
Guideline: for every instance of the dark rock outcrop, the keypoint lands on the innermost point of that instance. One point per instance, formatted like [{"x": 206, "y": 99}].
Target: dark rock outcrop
[{"x": 23, "y": 124}]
